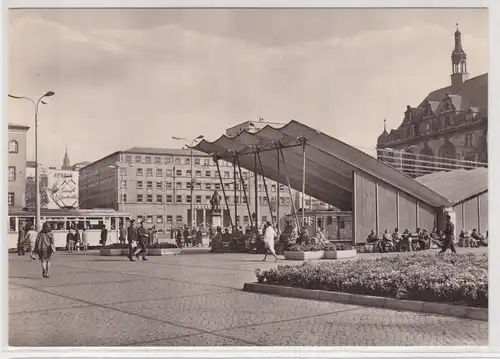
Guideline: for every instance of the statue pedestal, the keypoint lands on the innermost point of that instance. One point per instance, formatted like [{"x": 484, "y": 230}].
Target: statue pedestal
[{"x": 217, "y": 219}]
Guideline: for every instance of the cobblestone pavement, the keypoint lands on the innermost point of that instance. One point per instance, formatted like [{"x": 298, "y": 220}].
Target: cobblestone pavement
[{"x": 196, "y": 300}]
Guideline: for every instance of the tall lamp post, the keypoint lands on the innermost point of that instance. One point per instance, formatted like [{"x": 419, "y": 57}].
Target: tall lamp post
[
  {"x": 37, "y": 179},
  {"x": 190, "y": 145}
]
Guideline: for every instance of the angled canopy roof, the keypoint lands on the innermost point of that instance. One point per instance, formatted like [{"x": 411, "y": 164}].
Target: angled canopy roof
[
  {"x": 457, "y": 185},
  {"x": 329, "y": 163}
]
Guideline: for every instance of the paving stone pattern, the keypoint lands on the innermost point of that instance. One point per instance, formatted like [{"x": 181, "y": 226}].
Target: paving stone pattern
[{"x": 197, "y": 300}]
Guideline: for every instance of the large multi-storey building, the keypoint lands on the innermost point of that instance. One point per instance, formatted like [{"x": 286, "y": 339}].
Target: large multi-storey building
[
  {"x": 17, "y": 165},
  {"x": 155, "y": 185},
  {"x": 448, "y": 129}
]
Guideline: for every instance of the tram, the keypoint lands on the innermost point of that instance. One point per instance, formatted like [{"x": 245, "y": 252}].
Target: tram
[{"x": 61, "y": 220}]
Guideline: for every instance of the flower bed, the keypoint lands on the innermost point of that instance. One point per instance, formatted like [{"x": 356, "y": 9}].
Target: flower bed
[
  {"x": 304, "y": 252},
  {"x": 340, "y": 251},
  {"x": 459, "y": 279}
]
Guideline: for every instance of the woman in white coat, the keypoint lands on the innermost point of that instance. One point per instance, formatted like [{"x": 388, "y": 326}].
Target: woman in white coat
[{"x": 269, "y": 236}]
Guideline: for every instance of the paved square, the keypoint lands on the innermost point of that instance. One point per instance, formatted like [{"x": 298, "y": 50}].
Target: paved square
[{"x": 196, "y": 299}]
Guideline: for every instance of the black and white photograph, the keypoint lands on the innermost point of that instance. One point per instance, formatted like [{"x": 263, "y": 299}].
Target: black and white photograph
[{"x": 247, "y": 177}]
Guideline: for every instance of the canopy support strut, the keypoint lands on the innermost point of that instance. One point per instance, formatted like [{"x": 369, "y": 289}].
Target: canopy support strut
[
  {"x": 303, "y": 142},
  {"x": 278, "y": 195},
  {"x": 290, "y": 190},
  {"x": 256, "y": 178},
  {"x": 224, "y": 193},
  {"x": 245, "y": 193},
  {"x": 265, "y": 188},
  {"x": 235, "y": 194}
]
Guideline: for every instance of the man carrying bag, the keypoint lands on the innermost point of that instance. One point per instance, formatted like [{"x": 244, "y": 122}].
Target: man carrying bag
[{"x": 132, "y": 239}]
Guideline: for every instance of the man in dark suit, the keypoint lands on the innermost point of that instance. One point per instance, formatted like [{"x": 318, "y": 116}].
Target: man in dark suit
[
  {"x": 104, "y": 235},
  {"x": 449, "y": 232},
  {"x": 132, "y": 239},
  {"x": 142, "y": 236}
]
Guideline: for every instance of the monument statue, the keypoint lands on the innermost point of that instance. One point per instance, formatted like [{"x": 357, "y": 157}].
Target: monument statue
[{"x": 215, "y": 202}]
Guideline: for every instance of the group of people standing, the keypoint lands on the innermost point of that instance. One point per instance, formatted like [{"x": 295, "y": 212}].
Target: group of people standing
[
  {"x": 39, "y": 243},
  {"x": 185, "y": 237},
  {"x": 76, "y": 239}
]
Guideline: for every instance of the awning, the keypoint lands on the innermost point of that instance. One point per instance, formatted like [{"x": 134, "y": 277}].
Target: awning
[
  {"x": 329, "y": 163},
  {"x": 457, "y": 185}
]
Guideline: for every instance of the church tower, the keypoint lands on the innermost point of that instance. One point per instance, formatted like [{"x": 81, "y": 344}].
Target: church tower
[
  {"x": 459, "y": 62},
  {"x": 66, "y": 165}
]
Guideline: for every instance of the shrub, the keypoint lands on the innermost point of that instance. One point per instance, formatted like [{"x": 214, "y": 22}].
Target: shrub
[
  {"x": 116, "y": 246},
  {"x": 338, "y": 247},
  {"x": 305, "y": 248},
  {"x": 461, "y": 279},
  {"x": 163, "y": 245}
]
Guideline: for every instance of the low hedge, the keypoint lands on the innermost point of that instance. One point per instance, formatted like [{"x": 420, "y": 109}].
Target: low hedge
[
  {"x": 460, "y": 279},
  {"x": 164, "y": 245}
]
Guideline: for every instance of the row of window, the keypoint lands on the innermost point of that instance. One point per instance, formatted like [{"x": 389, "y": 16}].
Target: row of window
[
  {"x": 148, "y": 198},
  {"x": 174, "y": 160},
  {"x": 198, "y": 185},
  {"x": 179, "y": 173},
  {"x": 150, "y": 219}
]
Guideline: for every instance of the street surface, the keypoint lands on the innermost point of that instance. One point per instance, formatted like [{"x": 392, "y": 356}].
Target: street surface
[{"x": 196, "y": 299}]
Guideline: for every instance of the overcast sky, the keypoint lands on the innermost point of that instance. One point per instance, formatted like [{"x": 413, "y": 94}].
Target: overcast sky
[{"x": 136, "y": 77}]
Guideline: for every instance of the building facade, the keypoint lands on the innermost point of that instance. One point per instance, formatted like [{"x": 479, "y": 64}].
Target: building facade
[
  {"x": 451, "y": 124},
  {"x": 155, "y": 185},
  {"x": 17, "y": 165}
]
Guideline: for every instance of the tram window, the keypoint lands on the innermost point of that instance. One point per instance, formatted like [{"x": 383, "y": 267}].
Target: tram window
[
  {"x": 12, "y": 224},
  {"x": 342, "y": 224},
  {"x": 329, "y": 220},
  {"x": 113, "y": 223},
  {"x": 95, "y": 223},
  {"x": 26, "y": 221}
]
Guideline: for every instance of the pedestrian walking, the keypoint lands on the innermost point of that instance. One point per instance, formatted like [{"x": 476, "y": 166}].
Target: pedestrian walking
[
  {"x": 122, "y": 234},
  {"x": 70, "y": 240},
  {"x": 85, "y": 241},
  {"x": 142, "y": 236},
  {"x": 104, "y": 235},
  {"x": 31, "y": 240},
  {"x": 269, "y": 235},
  {"x": 132, "y": 239},
  {"x": 78, "y": 240},
  {"x": 449, "y": 233},
  {"x": 44, "y": 246},
  {"x": 178, "y": 238},
  {"x": 20, "y": 240},
  {"x": 199, "y": 237}
]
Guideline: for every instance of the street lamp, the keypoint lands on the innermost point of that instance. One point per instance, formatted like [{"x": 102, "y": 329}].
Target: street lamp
[
  {"x": 191, "y": 144},
  {"x": 37, "y": 179}
]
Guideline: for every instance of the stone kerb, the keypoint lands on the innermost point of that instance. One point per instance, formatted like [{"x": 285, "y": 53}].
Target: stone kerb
[
  {"x": 303, "y": 256},
  {"x": 163, "y": 251},
  {"x": 350, "y": 253},
  {"x": 366, "y": 300},
  {"x": 114, "y": 252}
]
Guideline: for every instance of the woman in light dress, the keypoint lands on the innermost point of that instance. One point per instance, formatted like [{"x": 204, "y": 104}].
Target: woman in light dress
[
  {"x": 269, "y": 236},
  {"x": 31, "y": 240}
]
